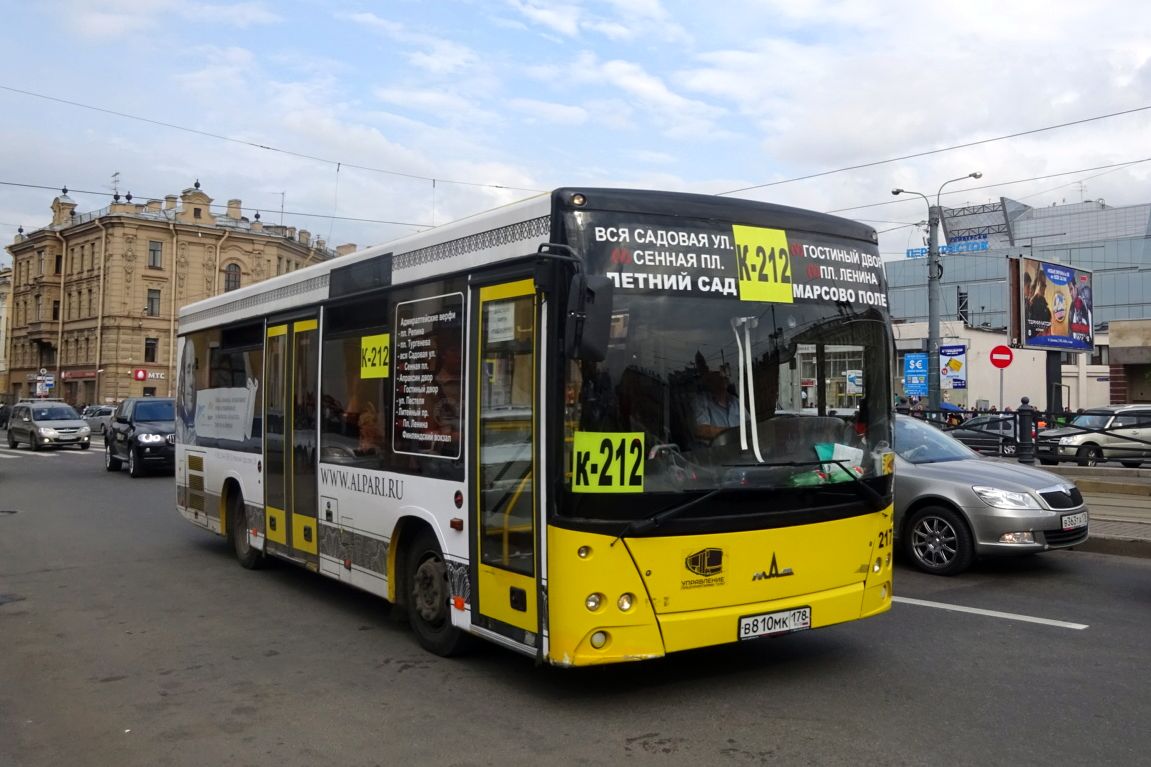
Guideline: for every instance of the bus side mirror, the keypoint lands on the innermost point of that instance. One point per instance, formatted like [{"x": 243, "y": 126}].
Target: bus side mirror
[{"x": 589, "y": 317}]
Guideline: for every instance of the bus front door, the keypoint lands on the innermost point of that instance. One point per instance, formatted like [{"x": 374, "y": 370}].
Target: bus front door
[
  {"x": 291, "y": 375},
  {"x": 505, "y": 427}
]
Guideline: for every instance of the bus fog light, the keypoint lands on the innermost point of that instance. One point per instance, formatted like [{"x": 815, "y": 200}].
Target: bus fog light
[
  {"x": 877, "y": 566},
  {"x": 599, "y": 639},
  {"x": 593, "y": 601},
  {"x": 1023, "y": 537},
  {"x": 583, "y": 552},
  {"x": 889, "y": 559},
  {"x": 626, "y": 602}
]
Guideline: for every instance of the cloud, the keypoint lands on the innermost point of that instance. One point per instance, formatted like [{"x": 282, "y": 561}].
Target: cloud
[
  {"x": 546, "y": 111},
  {"x": 434, "y": 55}
]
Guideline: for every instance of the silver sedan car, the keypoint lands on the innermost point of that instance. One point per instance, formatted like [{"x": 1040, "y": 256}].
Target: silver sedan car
[{"x": 952, "y": 505}]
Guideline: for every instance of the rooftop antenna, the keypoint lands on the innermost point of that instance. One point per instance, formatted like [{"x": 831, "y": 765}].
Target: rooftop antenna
[{"x": 116, "y": 183}]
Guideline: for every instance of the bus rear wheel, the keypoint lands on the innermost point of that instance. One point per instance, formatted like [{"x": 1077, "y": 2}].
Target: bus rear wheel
[
  {"x": 428, "y": 595},
  {"x": 248, "y": 556}
]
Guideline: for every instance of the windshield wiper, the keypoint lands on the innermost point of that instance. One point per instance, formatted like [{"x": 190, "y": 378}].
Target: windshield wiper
[
  {"x": 657, "y": 519},
  {"x": 746, "y": 379}
]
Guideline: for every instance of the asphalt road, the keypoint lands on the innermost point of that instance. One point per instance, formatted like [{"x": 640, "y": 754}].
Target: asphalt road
[{"x": 129, "y": 637}]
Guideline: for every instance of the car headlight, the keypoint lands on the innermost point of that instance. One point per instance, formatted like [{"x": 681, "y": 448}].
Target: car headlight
[
  {"x": 84, "y": 430},
  {"x": 47, "y": 431},
  {"x": 1005, "y": 499},
  {"x": 150, "y": 437},
  {"x": 1065, "y": 440}
]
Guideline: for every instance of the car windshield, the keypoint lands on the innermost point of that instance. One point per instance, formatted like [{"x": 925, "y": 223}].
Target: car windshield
[
  {"x": 158, "y": 410},
  {"x": 916, "y": 442},
  {"x": 1091, "y": 420},
  {"x": 55, "y": 413}
]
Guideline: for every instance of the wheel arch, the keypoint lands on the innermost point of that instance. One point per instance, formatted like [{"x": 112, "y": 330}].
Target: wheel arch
[
  {"x": 925, "y": 501},
  {"x": 230, "y": 489},
  {"x": 407, "y": 529}
]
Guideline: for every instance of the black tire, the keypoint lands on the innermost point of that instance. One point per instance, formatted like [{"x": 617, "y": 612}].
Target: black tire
[
  {"x": 135, "y": 466},
  {"x": 1089, "y": 455},
  {"x": 937, "y": 541},
  {"x": 85, "y": 445},
  {"x": 12, "y": 443},
  {"x": 1048, "y": 462},
  {"x": 32, "y": 444},
  {"x": 248, "y": 557},
  {"x": 111, "y": 462},
  {"x": 426, "y": 595},
  {"x": 1132, "y": 464}
]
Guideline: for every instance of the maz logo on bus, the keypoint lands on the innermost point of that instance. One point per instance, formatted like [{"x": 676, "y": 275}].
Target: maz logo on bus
[
  {"x": 773, "y": 571},
  {"x": 619, "y": 468}
]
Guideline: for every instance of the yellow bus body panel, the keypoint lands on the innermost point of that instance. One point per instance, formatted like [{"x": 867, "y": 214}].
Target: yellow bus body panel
[{"x": 687, "y": 596}]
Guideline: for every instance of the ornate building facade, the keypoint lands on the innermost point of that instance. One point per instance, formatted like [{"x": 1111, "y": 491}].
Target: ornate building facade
[{"x": 94, "y": 296}]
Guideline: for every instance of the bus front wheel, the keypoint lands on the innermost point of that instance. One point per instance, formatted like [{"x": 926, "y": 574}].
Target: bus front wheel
[{"x": 428, "y": 595}]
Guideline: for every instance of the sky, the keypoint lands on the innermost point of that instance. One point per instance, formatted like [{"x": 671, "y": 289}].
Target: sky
[{"x": 367, "y": 121}]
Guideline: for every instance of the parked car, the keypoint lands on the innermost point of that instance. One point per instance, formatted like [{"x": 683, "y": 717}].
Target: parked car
[
  {"x": 142, "y": 434},
  {"x": 98, "y": 417},
  {"x": 953, "y": 505},
  {"x": 47, "y": 424},
  {"x": 990, "y": 434},
  {"x": 1116, "y": 433}
]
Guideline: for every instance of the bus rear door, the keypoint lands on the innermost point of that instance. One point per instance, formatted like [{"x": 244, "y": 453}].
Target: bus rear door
[{"x": 291, "y": 374}]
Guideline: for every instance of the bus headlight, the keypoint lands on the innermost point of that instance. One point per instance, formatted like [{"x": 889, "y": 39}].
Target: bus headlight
[
  {"x": 599, "y": 639},
  {"x": 626, "y": 602},
  {"x": 593, "y": 601}
]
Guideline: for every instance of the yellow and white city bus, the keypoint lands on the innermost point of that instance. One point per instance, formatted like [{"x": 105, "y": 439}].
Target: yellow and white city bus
[{"x": 594, "y": 426}]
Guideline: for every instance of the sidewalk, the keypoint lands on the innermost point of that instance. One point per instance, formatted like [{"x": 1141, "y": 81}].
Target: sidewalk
[{"x": 1119, "y": 501}]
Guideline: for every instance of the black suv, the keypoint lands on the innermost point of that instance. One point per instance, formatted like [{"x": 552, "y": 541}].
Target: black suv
[{"x": 143, "y": 433}]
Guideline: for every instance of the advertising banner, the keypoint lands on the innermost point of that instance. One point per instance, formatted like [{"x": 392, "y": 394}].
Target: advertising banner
[
  {"x": 1056, "y": 307},
  {"x": 915, "y": 374},
  {"x": 953, "y": 366}
]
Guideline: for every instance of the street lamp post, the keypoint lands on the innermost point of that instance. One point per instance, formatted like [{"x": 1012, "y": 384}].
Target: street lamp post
[{"x": 934, "y": 276}]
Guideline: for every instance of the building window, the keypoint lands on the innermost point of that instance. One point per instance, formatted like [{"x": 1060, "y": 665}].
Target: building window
[
  {"x": 1101, "y": 355},
  {"x": 150, "y": 347},
  {"x": 153, "y": 307},
  {"x": 149, "y": 391},
  {"x": 59, "y": 263},
  {"x": 231, "y": 277},
  {"x": 55, "y": 310},
  {"x": 196, "y": 213},
  {"x": 155, "y": 254}
]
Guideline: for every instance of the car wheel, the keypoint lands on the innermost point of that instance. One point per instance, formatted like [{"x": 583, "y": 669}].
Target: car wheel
[
  {"x": 12, "y": 443},
  {"x": 427, "y": 592},
  {"x": 85, "y": 445},
  {"x": 938, "y": 541},
  {"x": 1048, "y": 462},
  {"x": 1132, "y": 464},
  {"x": 250, "y": 558},
  {"x": 32, "y": 443},
  {"x": 111, "y": 462},
  {"x": 1009, "y": 447},
  {"x": 135, "y": 469},
  {"x": 1089, "y": 455}
]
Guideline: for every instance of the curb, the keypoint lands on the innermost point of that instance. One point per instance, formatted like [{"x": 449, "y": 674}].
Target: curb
[{"x": 1122, "y": 547}]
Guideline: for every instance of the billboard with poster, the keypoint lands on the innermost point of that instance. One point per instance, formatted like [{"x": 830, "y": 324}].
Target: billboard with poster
[{"x": 1055, "y": 307}]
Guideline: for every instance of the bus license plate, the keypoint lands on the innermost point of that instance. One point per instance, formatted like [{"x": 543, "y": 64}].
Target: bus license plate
[
  {"x": 782, "y": 622},
  {"x": 1072, "y": 521}
]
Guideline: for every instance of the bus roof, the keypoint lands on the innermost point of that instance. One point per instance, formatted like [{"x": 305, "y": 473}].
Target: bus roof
[{"x": 515, "y": 229}]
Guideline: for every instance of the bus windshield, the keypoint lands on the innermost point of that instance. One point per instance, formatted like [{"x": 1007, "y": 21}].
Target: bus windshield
[{"x": 732, "y": 394}]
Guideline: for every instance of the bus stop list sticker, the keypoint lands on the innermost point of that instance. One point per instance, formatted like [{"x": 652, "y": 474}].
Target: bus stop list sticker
[
  {"x": 376, "y": 356},
  {"x": 763, "y": 263},
  {"x": 607, "y": 462}
]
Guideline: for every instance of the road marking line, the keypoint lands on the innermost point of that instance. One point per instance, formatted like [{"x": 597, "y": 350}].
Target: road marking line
[{"x": 991, "y": 613}]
